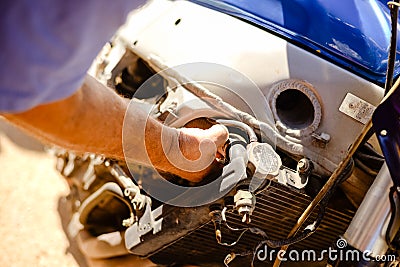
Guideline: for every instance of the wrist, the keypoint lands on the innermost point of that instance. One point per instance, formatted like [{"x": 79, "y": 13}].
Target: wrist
[{"x": 160, "y": 142}]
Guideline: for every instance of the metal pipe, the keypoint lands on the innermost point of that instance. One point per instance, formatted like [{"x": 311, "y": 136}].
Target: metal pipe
[
  {"x": 393, "y": 45},
  {"x": 366, "y": 231}
]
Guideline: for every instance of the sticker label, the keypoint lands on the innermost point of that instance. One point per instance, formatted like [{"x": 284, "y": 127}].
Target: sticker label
[{"x": 357, "y": 108}]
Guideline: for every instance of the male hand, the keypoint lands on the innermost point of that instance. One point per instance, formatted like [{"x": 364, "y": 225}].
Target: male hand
[
  {"x": 201, "y": 149},
  {"x": 190, "y": 153}
]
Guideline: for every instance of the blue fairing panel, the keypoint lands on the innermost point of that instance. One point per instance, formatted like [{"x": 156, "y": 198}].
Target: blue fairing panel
[{"x": 354, "y": 34}]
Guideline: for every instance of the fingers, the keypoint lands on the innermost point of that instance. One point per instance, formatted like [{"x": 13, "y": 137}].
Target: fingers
[
  {"x": 219, "y": 134},
  {"x": 194, "y": 156}
]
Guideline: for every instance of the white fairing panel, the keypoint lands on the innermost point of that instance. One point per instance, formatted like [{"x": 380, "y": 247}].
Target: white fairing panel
[{"x": 179, "y": 32}]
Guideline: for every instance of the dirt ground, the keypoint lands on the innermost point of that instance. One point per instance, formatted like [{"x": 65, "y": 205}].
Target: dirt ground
[
  {"x": 31, "y": 207},
  {"x": 30, "y": 188}
]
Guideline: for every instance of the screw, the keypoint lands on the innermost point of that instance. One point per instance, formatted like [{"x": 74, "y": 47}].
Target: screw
[{"x": 303, "y": 165}]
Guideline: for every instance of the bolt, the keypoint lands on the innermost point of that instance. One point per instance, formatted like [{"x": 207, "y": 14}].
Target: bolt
[
  {"x": 245, "y": 203},
  {"x": 303, "y": 165}
]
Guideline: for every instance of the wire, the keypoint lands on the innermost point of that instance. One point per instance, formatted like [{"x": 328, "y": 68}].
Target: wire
[
  {"x": 308, "y": 230},
  {"x": 370, "y": 150},
  {"x": 231, "y": 256},
  {"x": 363, "y": 156},
  {"x": 225, "y": 222},
  {"x": 251, "y": 134},
  {"x": 393, "y": 208},
  {"x": 365, "y": 168},
  {"x": 235, "y": 242}
]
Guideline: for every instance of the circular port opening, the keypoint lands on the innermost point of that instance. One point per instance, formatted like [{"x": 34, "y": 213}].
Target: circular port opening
[{"x": 294, "y": 109}]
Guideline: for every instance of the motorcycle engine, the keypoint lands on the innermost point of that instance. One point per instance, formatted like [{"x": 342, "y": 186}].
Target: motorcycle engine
[
  {"x": 108, "y": 200},
  {"x": 283, "y": 148}
]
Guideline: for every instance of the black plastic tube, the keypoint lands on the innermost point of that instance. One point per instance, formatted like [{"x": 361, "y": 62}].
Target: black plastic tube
[{"x": 392, "y": 48}]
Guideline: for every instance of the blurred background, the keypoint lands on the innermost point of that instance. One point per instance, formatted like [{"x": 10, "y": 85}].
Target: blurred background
[{"x": 31, "y": 191}]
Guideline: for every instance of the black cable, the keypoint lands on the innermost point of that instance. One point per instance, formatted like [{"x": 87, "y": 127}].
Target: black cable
[
  {"x": 309, "y": 230},
  {"x": 235, "y": 242},
  {"x": 393, "y": 46},
  {"x": 394, "y": 8},
  {"x": 370, "y": 150},
  {"x": 393, "y": 208},
  {"x": 369, "y": 134},
  {"x": 370, "y": 158},
  {"x": 278, "y": 243},
  {"x": 365, "y": 168}
]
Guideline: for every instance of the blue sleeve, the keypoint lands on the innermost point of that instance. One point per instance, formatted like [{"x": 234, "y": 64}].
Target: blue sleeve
[{"x": 48, "y": 45}]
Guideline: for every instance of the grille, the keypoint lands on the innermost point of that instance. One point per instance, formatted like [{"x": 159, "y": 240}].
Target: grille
[{"x": 276, "y": 212}]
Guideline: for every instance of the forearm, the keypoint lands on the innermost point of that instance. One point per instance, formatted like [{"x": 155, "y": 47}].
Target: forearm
[
  {"x": 91, "y": 120},
  {"x": 95, "y": 119}
]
